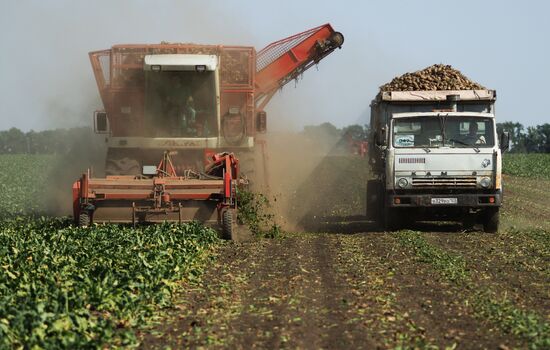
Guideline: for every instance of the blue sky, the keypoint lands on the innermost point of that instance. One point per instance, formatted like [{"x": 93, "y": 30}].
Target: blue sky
[{"x": 46, "y": 80}]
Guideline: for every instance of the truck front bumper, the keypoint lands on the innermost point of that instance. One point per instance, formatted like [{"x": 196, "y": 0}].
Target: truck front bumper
[{"x": 470, "y": 200}]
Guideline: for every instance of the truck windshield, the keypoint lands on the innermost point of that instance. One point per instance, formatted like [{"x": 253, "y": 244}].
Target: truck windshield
[
  {"x": 443, "y": 131},
  {"x": 181, "y": 104}
]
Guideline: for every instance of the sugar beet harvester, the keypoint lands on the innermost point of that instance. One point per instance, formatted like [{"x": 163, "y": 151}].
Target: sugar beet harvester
[{"x": 193, "y": 110}]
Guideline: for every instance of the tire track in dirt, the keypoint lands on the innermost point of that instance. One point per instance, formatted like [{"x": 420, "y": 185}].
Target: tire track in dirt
[
  {"x": 309, "y": 309},
  {"x": 203, "y": 309},
  {"x": 503, "y": 263},
  {"x": 521, "y": 326},
  {"x": 411, "y": 305},
  {"x": 313, "y": 291},
  {"x": 524, "y": 203}
]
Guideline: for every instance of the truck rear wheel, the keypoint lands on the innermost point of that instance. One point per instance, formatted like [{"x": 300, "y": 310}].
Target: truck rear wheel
[
  {"x": 375, "y": 203},
  {"x": 491, "y": 219}
]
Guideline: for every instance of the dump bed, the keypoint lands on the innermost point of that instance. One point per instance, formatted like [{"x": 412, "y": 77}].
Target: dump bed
[{"x": 387, "y": 103}]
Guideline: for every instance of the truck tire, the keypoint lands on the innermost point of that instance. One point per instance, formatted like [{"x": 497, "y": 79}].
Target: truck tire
[
  {"x": 228, "y": 224},
  {"x": 491, "y": 220},
  {"x": 375, "y": 203},
  {"x": 468, "y": 222},
  {"x": 391, "y": 221}
]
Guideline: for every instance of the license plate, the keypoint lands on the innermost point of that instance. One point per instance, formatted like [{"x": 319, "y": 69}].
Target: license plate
[{"x": 444, "y": 201}]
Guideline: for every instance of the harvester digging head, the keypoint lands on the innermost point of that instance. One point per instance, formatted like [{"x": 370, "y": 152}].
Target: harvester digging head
[{"x": 159, "y": 196}]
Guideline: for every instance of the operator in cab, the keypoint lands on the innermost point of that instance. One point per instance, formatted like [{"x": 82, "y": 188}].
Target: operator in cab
[
  {"x": 188, "y": 118},
  {"x": 473, "y": 138}
]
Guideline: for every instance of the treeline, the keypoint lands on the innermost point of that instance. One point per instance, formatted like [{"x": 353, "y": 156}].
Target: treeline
[
  {"x": 57, "y": 141},
  {"x": 533, "y": 139}
]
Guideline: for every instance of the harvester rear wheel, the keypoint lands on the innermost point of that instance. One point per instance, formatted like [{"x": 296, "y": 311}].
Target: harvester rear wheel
[
  {"x": 229, "y": 220},
  {"x": 84, "y": 219}
]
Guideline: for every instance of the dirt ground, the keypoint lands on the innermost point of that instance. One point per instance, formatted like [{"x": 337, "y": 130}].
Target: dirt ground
[{"x": 342, "y": 285}]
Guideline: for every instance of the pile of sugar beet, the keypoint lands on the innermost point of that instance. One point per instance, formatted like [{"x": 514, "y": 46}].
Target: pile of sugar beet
[{"x": 436, "y": 77}]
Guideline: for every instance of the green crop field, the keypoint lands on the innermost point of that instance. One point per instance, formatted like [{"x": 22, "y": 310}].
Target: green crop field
[
  {"x": 68, "y": 287},
  {"x": 345, "y": 285},
  {"x": 22, "y": 183},
  {"x": 534, "y": 165}
]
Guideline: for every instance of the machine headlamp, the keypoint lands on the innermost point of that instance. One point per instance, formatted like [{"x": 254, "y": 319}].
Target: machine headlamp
[
  {"x": 485, "y": 182},
  {"x": 402, "y": 182}
]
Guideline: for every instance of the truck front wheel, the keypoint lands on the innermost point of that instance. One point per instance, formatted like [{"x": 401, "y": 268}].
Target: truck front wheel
[{"x": 491, "y": 220}]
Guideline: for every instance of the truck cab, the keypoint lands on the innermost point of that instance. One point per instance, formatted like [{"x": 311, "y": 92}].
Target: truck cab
[{"x": 435, "y": 155}]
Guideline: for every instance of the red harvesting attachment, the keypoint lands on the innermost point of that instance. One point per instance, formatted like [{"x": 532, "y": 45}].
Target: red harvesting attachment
[{"x": 160, "y": 194}]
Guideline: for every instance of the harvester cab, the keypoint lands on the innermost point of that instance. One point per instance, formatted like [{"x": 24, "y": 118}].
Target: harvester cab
[
  {"x": 182, "y": 95},
  {"x": 195, "y": 108}
]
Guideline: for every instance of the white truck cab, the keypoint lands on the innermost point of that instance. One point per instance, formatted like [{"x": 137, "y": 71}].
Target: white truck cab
[{"x": 435, "y": 155}]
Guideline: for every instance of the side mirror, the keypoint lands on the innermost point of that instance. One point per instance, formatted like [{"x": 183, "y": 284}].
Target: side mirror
[
  {"x": 504, "y": 141},
  {"x": 381, "y": 137},
  {"x": 261, "y": 122},
  {"x": 101, "y": 123}
]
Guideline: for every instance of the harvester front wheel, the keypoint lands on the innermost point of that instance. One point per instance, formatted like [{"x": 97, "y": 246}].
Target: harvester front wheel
[
  {"x": 229, "y": 221},
  {"x": 84, "y": 219}
]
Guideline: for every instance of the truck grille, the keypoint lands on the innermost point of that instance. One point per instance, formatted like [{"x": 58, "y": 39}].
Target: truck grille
[{"x": 462, "y": 182}]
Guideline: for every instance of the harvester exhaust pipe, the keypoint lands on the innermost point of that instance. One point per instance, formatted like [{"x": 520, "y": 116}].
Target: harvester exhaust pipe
[{"x": 453, "y": 102}]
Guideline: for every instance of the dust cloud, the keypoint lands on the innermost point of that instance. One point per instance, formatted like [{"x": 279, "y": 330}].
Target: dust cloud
[
  {"x": 86, "y": 153},
  {"x": 313, "y": 180}
]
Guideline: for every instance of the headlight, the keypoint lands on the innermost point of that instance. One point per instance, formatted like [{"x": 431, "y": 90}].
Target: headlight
[
  {"x": 402, "y": 182},
  {"x": 485, "y": 182}
]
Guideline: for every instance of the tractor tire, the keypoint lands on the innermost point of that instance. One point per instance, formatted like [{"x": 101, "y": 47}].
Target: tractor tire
[
  {"x": 122, "y": 166},
  {"x": 229, "y": 221},
  {"x": 84, "y": 219},
  {"x": 491, "y": 219}
]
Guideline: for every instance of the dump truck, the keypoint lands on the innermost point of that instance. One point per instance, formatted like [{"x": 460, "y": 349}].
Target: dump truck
[
  {"x": 182, "y": 125},
  {"x": 435, "y": 155}
]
